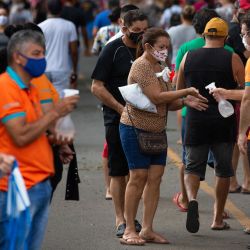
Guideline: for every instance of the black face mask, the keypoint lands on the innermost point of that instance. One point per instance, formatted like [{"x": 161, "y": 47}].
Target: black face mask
[{"x": 135, "y": 37}]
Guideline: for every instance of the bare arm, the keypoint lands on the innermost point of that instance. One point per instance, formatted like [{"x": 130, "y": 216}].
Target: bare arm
[
  {"x": 74, "y": 54},
  {"x": 244, "y": 120},
  {"x": 180, "y": 81},
  {"x": 99, "y": 90},
  {"x": 24, "y": 133},
  {"x": 238, "y": 70},
  {"x": 230, "y": 94},
  {"x": 158, "y": 97}
]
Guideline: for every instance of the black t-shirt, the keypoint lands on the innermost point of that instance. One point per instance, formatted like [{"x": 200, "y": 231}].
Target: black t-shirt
[
  {"x": 235, "y": 41},
  {"x": 203, "y": 66},
  {"x": 112, "y": 68},
  {"x": 75, "y": 15},
  {"x": 89, "y": 8}
]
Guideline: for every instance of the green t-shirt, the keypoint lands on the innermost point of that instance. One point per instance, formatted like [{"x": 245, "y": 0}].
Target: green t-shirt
[{"x": 191, "y": 45}]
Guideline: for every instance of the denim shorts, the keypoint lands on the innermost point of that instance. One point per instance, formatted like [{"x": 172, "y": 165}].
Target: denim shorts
[{"x": 137, "y": 160}]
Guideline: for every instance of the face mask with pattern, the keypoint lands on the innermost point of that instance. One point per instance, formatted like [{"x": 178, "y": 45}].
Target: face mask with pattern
[{"x": 160, "y": 55}]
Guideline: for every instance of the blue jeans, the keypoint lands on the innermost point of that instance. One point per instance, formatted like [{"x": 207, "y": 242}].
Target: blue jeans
[{"x": 40, "y": 199}]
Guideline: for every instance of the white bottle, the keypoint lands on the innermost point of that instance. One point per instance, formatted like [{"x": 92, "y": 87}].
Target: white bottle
[
  {"x": 65, "y": 128},
  {"x": 226, "y": 109}
]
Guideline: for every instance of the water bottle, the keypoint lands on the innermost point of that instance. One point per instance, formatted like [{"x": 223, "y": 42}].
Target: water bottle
[
  {"x": 226, "y": 109},
  {"x": 65, "y": 128}
]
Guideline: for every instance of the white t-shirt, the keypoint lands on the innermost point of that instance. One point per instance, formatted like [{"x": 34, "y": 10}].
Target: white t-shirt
[
  {"x": 117, "y": 35},
  {"x": 180, "y": 34},
  {"x": 58, "y": 34}
]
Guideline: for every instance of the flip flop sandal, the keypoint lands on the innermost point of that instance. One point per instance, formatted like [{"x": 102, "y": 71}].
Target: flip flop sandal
[
  {"x": 235, "y": 191},
  {"x": 245, "y": 191},
  {"x": 192, "y": 222},
  {"x": 120, "y": 230},
  {"x": 132, "y": 241},
  {"x": 225, "y": 226},
  {"x": 177, "y": 203},
  {"x": 155, "y": 241}
]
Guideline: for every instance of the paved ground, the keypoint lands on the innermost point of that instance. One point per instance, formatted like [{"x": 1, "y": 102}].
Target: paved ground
[{"x": 89, "y": 223}]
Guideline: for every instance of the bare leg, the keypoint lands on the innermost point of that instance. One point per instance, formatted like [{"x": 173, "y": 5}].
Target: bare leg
[
  {"x": 183, "y": 198},
  {"x": 246, "y": 182},
  {"x": 150, "y": 199},
  {"x": 233, "y": 180},
  {"x": 106, "y": 176},
  {"x": 221, "y": 192},
  {"x": 134, "y": 190},
  {"x": 192, "y": 184},
  {"x": 117, "y": 188},
  {"x": 179, "y": 124}
]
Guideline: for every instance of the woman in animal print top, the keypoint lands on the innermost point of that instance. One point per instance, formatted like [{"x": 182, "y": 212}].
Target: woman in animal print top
[{"x": 146, "y": 170}]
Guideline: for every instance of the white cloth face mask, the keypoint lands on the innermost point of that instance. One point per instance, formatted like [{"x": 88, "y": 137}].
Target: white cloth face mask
[
  {"x": 244, "y": 41},
  {"x": 3, "y": 20}
]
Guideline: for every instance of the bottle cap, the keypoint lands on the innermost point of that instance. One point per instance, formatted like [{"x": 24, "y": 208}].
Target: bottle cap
[
  {"x": 70, "y": 92},
  {"x": 211, "y": 86}
]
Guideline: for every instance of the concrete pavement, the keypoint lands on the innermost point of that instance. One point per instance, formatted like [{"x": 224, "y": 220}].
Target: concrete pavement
[{"x": 89, "y": 223}]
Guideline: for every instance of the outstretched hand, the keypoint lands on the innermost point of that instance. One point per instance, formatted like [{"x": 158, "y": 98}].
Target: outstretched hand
[{"x": 199, "y": 102}]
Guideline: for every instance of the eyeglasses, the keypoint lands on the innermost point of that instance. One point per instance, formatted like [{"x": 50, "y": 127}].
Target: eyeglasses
[{"x": 245, "y": 35}]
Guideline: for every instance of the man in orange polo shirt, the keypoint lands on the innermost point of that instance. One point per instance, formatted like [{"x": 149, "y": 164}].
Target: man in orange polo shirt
[{"x": 22, "y": 129}]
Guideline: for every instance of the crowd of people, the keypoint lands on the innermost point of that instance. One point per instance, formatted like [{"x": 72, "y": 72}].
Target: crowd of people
[{"x": 172, "y": 49}]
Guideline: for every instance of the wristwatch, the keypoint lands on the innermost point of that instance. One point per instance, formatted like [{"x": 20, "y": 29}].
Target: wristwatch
[{"x": 73, "y": 77}]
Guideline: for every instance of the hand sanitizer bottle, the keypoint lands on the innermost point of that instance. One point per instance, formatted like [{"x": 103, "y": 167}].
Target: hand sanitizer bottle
[
  {"x": 65, "y": 127},
  {"x": 226, "y": 109}
]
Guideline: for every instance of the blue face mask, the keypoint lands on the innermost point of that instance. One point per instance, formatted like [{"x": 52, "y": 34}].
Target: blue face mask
[{"x": 35, "y": 67}]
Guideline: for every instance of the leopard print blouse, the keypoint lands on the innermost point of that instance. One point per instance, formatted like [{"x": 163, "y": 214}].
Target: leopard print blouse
[{"x": 143, "y": 73}]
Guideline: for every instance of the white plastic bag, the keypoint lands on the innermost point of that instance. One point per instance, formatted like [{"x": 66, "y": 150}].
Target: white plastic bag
[
  {"x": 18, "y": 211},
  {"x": 133, "y": 94},
  {"x": 65, "y": 128},
  {"x": 164, "y": 74}
]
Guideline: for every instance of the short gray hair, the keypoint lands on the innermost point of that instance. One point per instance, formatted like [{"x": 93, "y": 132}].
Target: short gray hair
[{"x": 19, "y": 41}]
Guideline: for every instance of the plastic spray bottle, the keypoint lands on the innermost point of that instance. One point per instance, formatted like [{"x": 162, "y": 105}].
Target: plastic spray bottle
[
  {"x": 226, "y": 109},
  {"x": 65, "y": 127}
]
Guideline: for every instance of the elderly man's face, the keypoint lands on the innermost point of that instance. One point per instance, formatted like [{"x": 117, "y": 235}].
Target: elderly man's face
[
  {"x": 31, "y": 50},
  {"x": 31, "y": 58}
]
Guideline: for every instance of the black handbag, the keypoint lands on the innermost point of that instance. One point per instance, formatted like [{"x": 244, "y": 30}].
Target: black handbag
[{"x": 149, "y": 142}]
